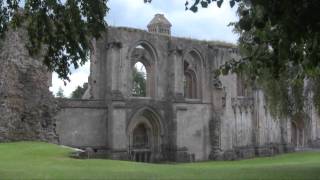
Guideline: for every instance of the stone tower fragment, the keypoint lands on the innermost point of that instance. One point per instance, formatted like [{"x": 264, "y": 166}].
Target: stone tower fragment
[
  {"x": 160, "y": 24},
  {"x": 27, "y": 107}
]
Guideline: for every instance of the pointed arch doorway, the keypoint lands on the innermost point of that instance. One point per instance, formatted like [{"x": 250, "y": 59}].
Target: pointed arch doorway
[
  {"x": 297, "y": 133},
  {"x": 144, "y": 131}
]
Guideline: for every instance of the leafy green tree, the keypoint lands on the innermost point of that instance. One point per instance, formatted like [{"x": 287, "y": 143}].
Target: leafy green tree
[
  {"x": 60, "y": 93},
  {"x": 62, "y": 28},
  {"x": 279, "y": 40},
  {"x": 280, "y": 44},
  {"x": 139, "y": 83},
  {"x": 79, "y": 91}
]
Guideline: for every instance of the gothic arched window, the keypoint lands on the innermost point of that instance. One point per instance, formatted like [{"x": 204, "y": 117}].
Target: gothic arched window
[
  {"x": 139, "y": 75},
  {"x": 190, "y": 82},
  {"x": 142, "y": 74}
]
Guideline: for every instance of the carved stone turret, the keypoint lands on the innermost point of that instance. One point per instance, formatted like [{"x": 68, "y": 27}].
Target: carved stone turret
[{"x": 160, "y": 24}]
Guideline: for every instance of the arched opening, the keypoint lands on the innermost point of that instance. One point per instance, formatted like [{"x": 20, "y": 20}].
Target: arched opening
[
  {"x": 190, "y": 83},
  {"x": 243, "y": 87},
  {"x": 294, "y": 134},
  {"x": 144, "y": 133},
  {"x": 297, "y": 133},
  {"x": 143, "y": 71},
  {"x": 139, "y": 75},
  {"x": 192, "y": 75},
  {"x": 140, "y": 137},
  {"x": 141, "y": 147}
]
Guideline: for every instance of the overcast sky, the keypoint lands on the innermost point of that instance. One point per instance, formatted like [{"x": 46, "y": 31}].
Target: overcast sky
[{"x": 207, "y": 24}]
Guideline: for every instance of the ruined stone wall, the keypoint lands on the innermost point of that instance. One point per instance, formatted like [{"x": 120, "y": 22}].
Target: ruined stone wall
[
  {"x": 315, "y": 128},
  {"x": 216, "y": 123},
  {"x": 312, "y": 124},
  {"x": 193, "y": 130},
  {"x": 82, "y": 123},
  {"x": 26, "y": 105},
  {"x": 246, "y": 127},
  {"x": 187, "y": 120}
]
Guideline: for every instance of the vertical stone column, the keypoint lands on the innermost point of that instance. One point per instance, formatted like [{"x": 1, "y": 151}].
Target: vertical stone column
[
  {"x": 117, "y": 135},
  {"x": 113, "y": 67},
  {"x": 98, "y": 71},
  {"x": 175, "y": 56},
  {"x": 218, "y": 98},
  {"x": 255, "y": 132},
  {"x": 215, "y": 137},
  {"x": 117, "y": 138}
]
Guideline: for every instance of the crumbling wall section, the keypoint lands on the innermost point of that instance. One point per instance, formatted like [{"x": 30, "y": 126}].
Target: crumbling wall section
[{"x": 26, "y": 104}]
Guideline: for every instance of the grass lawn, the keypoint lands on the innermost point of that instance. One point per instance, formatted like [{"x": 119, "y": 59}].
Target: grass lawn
[{"x": 33, "y": 160}]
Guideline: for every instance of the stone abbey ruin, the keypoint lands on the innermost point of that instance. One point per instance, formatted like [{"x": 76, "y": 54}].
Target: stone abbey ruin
[{"x": 186, "y": 114}]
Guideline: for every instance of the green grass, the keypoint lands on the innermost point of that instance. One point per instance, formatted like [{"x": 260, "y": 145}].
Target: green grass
[{"x": 34, "y": 160}]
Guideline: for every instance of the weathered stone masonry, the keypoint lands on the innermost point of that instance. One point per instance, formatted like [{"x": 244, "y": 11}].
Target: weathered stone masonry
[
  {"x": 27, "y": 107},
  {"x": 187, "y": 115}
]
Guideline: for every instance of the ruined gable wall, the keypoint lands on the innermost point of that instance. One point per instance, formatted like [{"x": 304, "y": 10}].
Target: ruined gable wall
[
  {"x": 111, "y": 62},
  {"x": 190, "y": 133},
  {"x": 218, "y": 121}
]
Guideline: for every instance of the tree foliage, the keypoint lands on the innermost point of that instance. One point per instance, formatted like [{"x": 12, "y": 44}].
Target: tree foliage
[
  {"x": 139, "y": 83},
  {"x": 79, "y": 91},
  {"x": 280, "y": 40},
  {"x": 60, "y": 93},
  {"x": 63, "y": 29},
  {"x": 276, "y": 36},
  {"x": 280, "y": 47}
]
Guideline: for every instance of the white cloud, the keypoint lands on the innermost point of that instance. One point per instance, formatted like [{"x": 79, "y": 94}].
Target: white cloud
[
  {"x": 77, "y": 78},
  {"x": 208, "y": 24}
]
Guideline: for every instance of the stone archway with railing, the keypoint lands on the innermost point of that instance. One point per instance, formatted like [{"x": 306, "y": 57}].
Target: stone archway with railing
[{"x": 144, "y": 135}]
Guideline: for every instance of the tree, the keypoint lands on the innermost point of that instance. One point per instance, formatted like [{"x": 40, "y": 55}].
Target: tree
[
  {"x": 79, "y": 91},
  {"x": 62, "y": 29},
  {"x": 139, "y": 83},
  {"x": 60, "y": 93},
  {"x": 279, "y": 40},
  {"x": 280, "y": 47}
]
